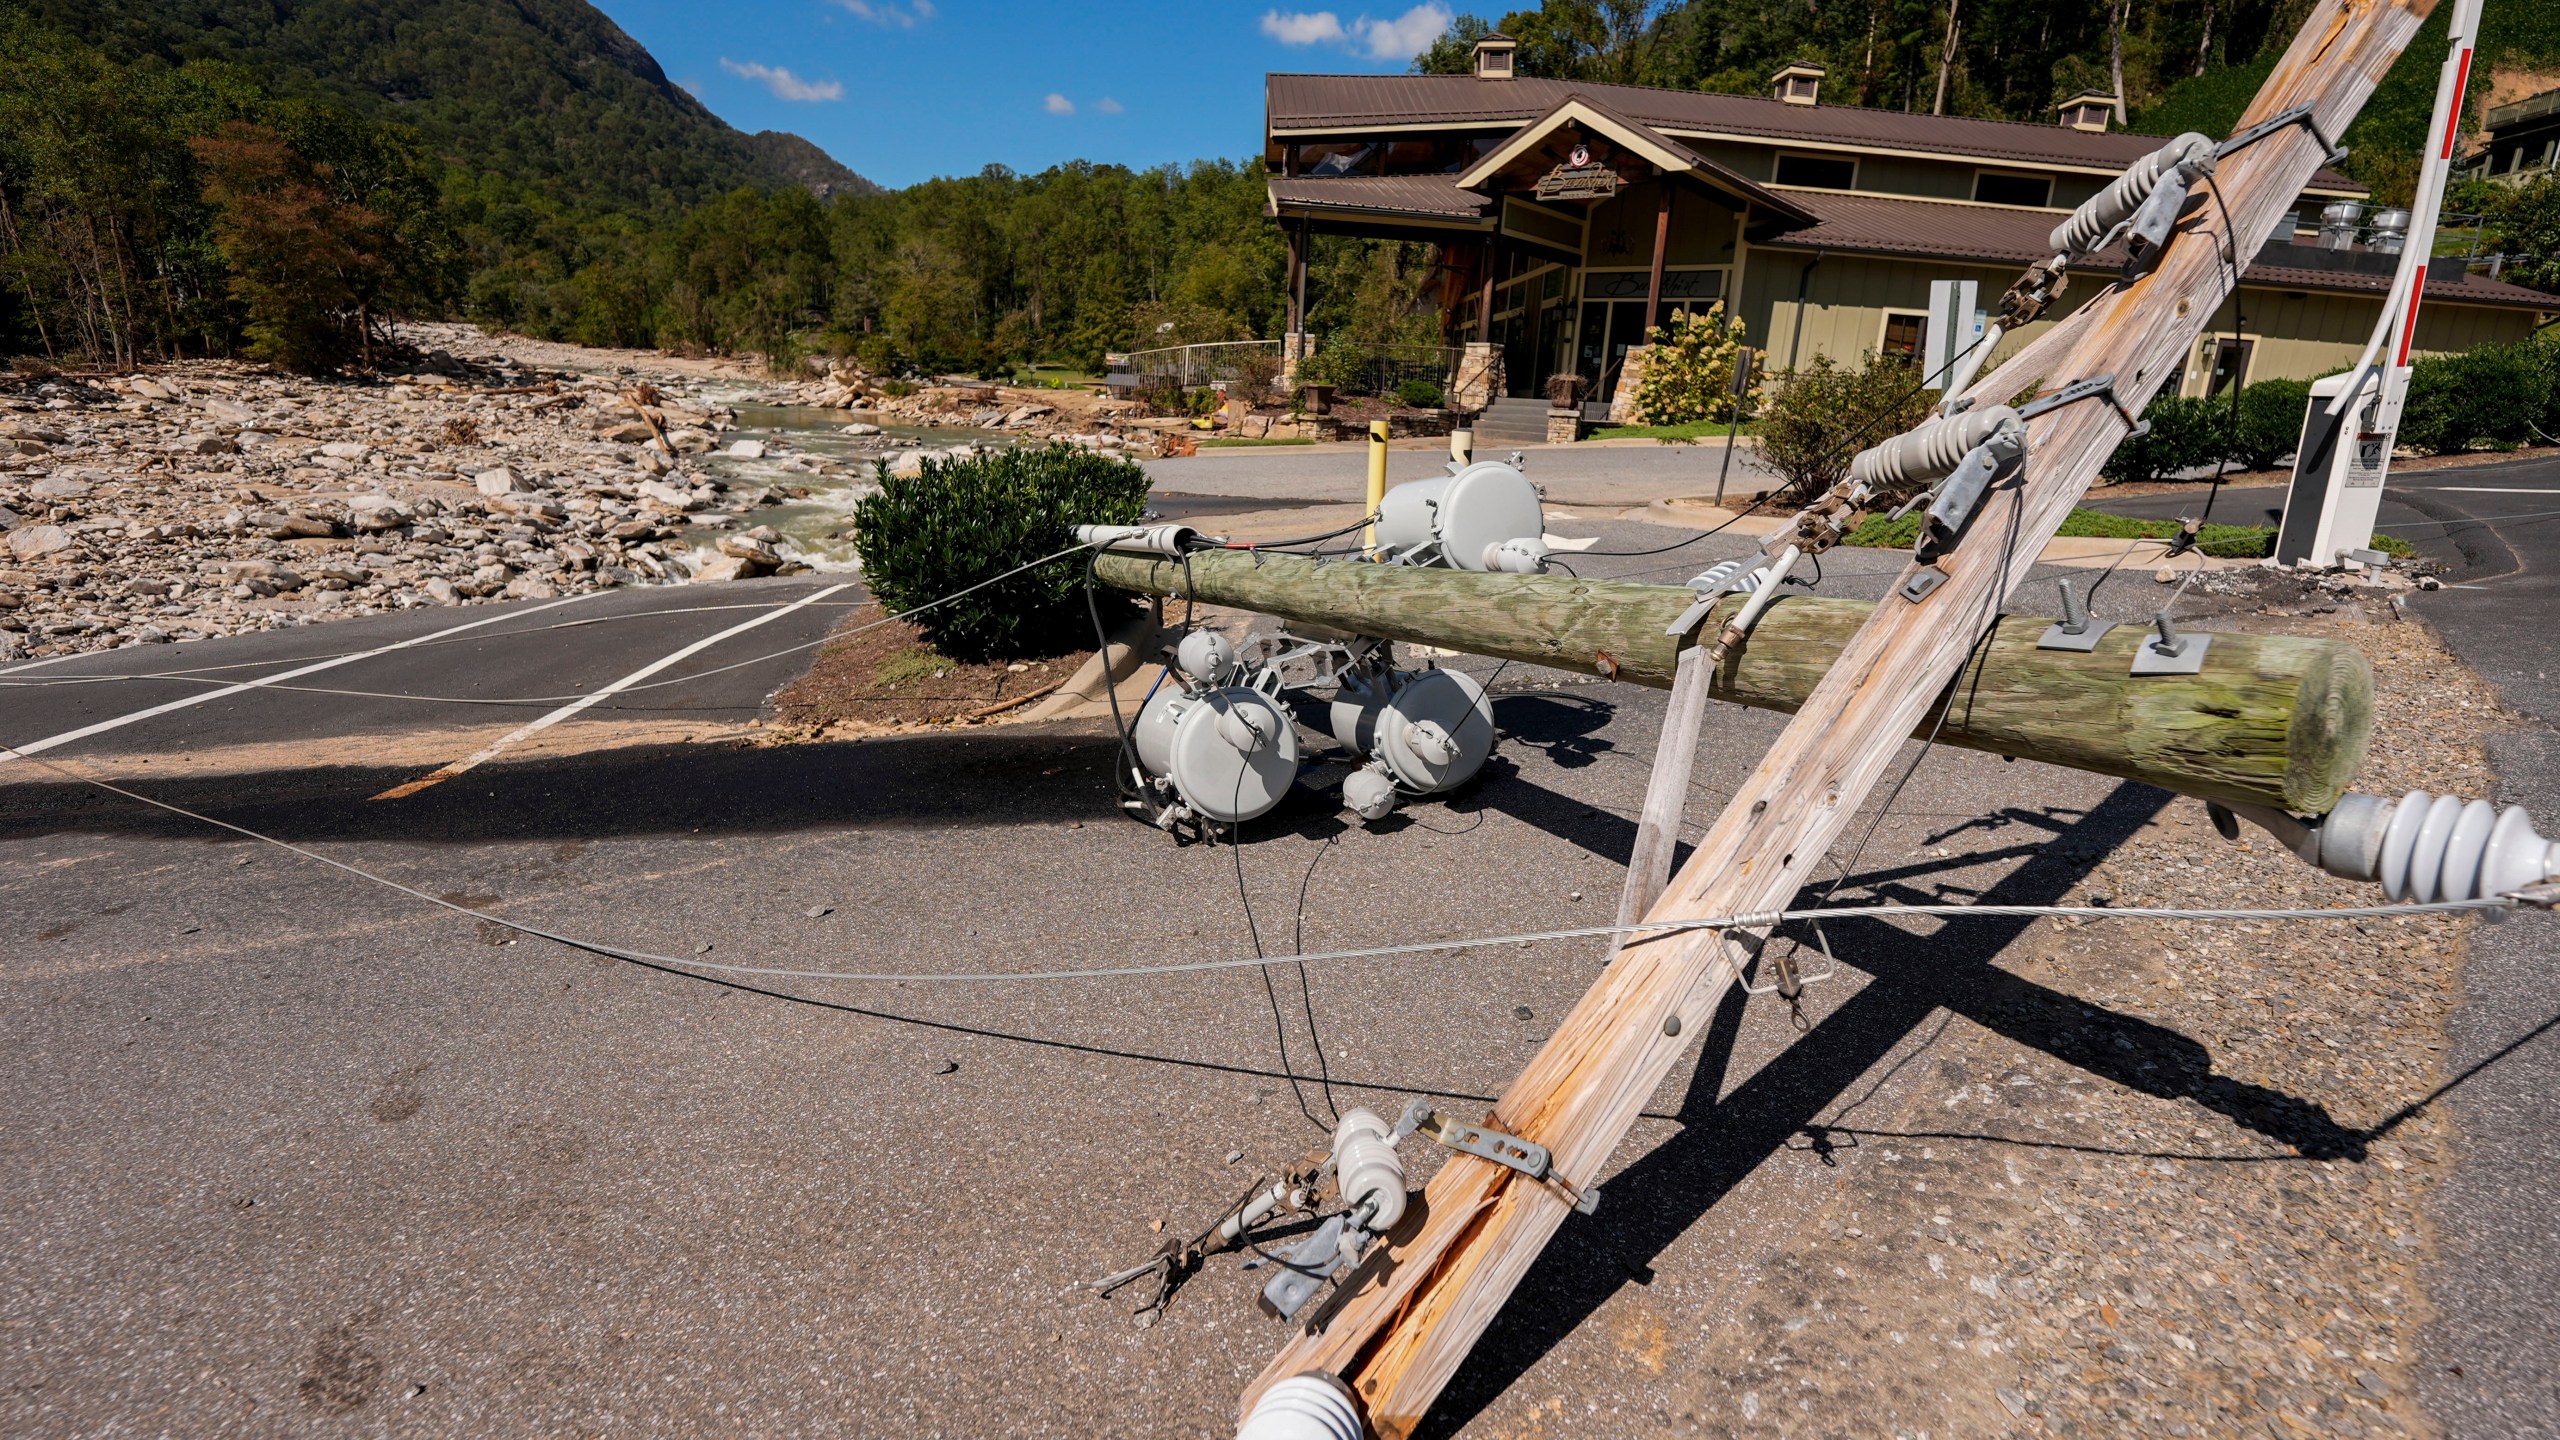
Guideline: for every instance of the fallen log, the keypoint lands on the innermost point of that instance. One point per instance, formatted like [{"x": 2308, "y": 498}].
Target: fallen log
[{"x": 2274, "y": 720}]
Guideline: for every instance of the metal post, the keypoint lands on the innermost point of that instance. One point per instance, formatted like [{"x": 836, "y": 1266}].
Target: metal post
[
  {"x": 1741, "y": 387},
  {"x": 1377, "y": 479}
]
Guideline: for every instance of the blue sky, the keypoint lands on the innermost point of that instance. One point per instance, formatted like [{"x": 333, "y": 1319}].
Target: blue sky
[{"x": 902, "y": 90}]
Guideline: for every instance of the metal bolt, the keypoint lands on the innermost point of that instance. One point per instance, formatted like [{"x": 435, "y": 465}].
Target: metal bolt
[
  {"x": 2168, "y": 642},
  {"x": 1670, "y": 1024},
  {"x": 2075, "y": 612}
]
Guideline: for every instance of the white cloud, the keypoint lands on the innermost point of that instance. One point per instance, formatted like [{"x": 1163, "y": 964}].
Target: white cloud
[
  {"x": 1401, "y": 38},
  {"x": 1109, "y": 106},
  {"x": 1405, "y": 36},
  {"x": 783, "y": 84},
  {"x": 904, "y": 17},
  {"x": 1298, "y": 27},
  {"x": 1058, "y": 104}
]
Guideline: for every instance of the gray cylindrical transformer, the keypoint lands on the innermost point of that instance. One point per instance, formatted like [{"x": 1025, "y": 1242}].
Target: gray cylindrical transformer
[
  {"x": 1230, "y": 752},
  {"x": 1430, "y": 730}
]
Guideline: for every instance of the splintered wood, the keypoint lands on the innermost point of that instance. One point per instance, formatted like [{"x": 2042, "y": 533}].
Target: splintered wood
[{"x": 1417, "y": 1306}]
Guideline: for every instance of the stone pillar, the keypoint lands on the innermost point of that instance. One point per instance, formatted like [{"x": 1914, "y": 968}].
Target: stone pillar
[
  {"x": 1563, "y": 426},
  {"x": 1480, "y": 379},
  {"x": 1622, "y": 405},
  {"x": 1295, "y": 347}
]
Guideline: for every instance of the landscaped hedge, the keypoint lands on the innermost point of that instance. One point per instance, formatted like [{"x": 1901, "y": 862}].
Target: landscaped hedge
[
  {"x": 2490, "y": 397},
  {"x": 964, "y": 521}
]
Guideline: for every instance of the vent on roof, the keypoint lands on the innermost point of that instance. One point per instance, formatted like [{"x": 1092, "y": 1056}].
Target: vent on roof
[
  {"x": 1493, "y": 56},
  {"x": 2089, "y": 110},
  {"x": 1799, "y": 82}
]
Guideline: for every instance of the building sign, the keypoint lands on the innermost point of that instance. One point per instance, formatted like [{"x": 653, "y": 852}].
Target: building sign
[
  {"x": 1578, "y": 181},
  {"x": 1633, "y": 284}
]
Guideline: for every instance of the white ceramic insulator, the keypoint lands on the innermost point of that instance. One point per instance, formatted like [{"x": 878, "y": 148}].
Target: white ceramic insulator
[
  {"x": 1731, "y": 577},
  {"x": 2114, "y": 205},
  {"x": 1367, "y": 1169},
  {"x": 1931, "y": 451},
  {"x": 2440, "y": 847},
  {"x": 1143, "y": 539},
  {"x": 1303, "y": 1407},
  {"x": 1370, "y": 792}
]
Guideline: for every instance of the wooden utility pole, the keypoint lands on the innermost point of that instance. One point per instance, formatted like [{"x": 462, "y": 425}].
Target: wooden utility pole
[
  {"x": 2281, "y": 721},
  {"x": 1417, "y": 1305}
]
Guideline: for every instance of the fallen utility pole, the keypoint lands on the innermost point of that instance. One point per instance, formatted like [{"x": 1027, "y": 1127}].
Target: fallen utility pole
[
  {"x": 1406, "y": 1318},
  {"x": 2273, "y": 720}
]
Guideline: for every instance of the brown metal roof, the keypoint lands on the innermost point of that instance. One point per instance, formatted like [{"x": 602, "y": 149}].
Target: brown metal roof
[
  {"x": 1422, "y": 196},
  {"x": 1360, "y": 102},
  {"x": 1880, "y": 225},
  {"x": 1747, "y": 189}
]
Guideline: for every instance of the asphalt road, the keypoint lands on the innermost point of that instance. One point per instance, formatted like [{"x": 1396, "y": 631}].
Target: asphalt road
[{"x": 289, "y": 1153}]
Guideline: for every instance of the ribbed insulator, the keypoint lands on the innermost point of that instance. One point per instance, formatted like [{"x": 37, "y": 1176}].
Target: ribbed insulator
[
  {"x": 2114, "y": 205},
  {"x": 1923, "y": 455},
  {"x": 1304, "y": 1407},
  {"x": 1367, "y": 1170},
  {"x": 2440, "y": 847},
  {"x": 1729, "y": 577}
]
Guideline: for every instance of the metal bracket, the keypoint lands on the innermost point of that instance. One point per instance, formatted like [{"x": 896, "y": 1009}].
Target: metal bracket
[
  {"x": 1304, "y": 1269},
  {"x": 2057, "y": 638},
  {"x": 2170, "y": 653},
  {"x": 2298, "y": 115},
  {"x": 1923, "y": 583},
  {"x": 2078, "y": 390},
  {"x": 1485, "y": 1143}
]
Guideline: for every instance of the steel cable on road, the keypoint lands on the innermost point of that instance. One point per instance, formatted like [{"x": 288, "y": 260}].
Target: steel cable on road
[{"x": 1739, "y": 921}]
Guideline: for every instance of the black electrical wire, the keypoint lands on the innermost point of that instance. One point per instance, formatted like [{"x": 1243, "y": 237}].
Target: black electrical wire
[
  {"x": 2239, "y": 326},
  {"x": 1301, "y": 540},
  {"x": 1270, "y": 992},
  {"x": 1123, "y": 775}
]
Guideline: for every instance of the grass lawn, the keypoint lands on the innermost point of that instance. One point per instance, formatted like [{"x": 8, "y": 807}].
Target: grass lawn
[
  {"x": 1234, "y": 441},
  {"x": 1672, "y": 434},
  {"x": 2230, "y": 542}
]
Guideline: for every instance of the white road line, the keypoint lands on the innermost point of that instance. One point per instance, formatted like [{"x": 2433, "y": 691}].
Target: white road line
[
  {"x": 2494, "y": 489},
  {"x": 54, "y": 660},
  {"x": 531, "y": 728},
  {"x": 33, "y": 747}
]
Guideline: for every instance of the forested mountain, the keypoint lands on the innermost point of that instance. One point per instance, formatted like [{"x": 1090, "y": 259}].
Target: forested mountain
[{"x": 547, "y": 93}]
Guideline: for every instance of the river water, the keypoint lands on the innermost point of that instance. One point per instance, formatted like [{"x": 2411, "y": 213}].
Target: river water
[{"x": 807, "y": 449}]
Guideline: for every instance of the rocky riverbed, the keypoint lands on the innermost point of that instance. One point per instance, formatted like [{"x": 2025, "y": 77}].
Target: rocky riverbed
[{"x": 214, "y": 498}]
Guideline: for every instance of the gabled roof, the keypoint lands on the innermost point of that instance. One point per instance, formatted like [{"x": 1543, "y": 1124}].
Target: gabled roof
[
  {"x": 1664, "y": 153},
  {"x": 1329, "y": 104},
  {"x": 1851, "y": 223}
]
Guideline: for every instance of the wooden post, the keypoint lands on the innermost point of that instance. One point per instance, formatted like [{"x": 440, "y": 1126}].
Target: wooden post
[
  {"x": 2274, "y": 720},
  {"x": 1484, "y": 297},
  {"x": 1298, "y": 278},
  {"x": 1661, "y": 248},
  {"x": 1419, "y": 1303}
]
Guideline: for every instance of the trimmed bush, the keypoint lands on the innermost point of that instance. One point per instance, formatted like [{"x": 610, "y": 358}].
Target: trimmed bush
[
  {"x": 2184, "y": 434},
  {"x": 1420, "y": 394},
  {"x": 2269, "y": 424},
  {"x": 963, "y": 521},
  {"x": 2487, "y": 397},
  {"x": 2230, "y": 542},
  {"x": 1821, "y": 416}
]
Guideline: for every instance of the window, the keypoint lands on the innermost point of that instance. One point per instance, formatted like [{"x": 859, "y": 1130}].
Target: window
[
  {"x": 1906, "y": 334},
  {"x": 1817, "y": 172},
  {"x": 1993, "y": 188},
  {"x": 1800, "y": 90}
]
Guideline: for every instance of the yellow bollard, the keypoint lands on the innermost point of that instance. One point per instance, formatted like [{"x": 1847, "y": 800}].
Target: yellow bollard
[{"x": 1377, "y": 480}]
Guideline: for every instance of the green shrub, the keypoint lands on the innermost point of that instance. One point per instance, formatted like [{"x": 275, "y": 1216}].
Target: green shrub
[
  {"x": 1822, "y": 416},
  {"x": 2269, "y": 423},
  {"x": 964, "y": 521},
  {"x": 2487, "y": 397},
  {"x": 1688, "y": 372},
  {"x": 2184, "y": 434},
  {"x": 1421, "y": 394}
]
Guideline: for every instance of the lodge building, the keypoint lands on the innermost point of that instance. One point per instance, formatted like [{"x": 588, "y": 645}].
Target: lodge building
[{"x": 1574, "y": 216}]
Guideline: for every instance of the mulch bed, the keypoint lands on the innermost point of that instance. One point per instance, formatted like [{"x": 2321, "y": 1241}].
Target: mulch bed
[{"x": 889, "y": 678}]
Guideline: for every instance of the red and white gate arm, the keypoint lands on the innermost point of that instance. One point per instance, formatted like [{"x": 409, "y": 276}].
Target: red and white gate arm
[{"x": 2397, "y": 326}]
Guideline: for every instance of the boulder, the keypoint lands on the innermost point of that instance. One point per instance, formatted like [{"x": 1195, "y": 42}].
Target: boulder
[
  {"x": 525, "y": 587},
  {"x": 501, "y": 481},
  {"x": 204, "y": 444},
  {"x": 628, "y": 432},
  {"x": 346, "y": 450},
  {"x": 373, "y": 514},
  {"x": 441, "y": 591},
  {"x": 860, "y": 427},
  {"x": 58, "y": 487},
  {"x": 746, "y": 547},
  {"x": 725, "y": 567},
  {"x": 745, "y": 450},
  {"x": 690, "y": 441},
  {"x": 31, "y": 543},
  {"x": 659, "y": 492}
]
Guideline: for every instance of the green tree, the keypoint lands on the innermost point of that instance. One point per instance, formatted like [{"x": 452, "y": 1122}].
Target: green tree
[{"x": 302, "y": 260}]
